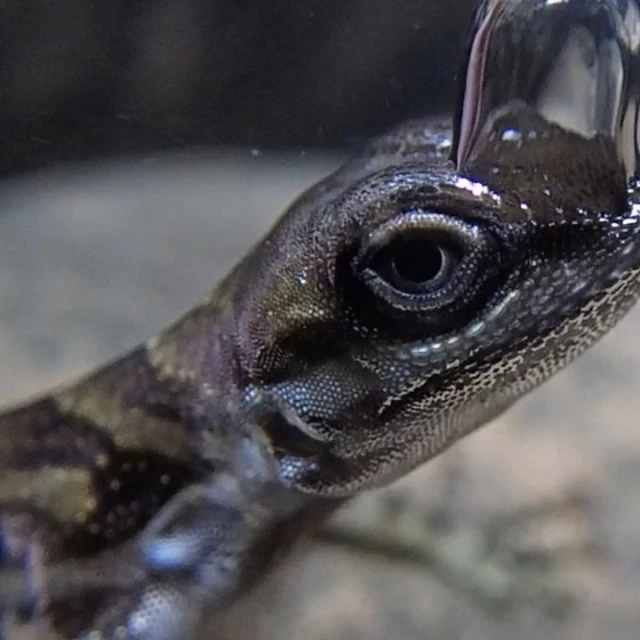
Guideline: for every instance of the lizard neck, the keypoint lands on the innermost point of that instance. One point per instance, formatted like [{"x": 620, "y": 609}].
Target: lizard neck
[{"x": 227, "y": 431}]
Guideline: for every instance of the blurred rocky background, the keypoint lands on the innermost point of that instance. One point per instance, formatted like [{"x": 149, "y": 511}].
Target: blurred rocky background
[{"x": 81, "y": 78}]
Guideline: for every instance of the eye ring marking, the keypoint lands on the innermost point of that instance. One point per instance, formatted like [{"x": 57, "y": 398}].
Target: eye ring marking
[{"x": 421, "y": 261}]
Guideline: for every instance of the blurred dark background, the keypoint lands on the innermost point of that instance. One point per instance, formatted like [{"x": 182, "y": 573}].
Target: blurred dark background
[{"x": 81, "y": 79}]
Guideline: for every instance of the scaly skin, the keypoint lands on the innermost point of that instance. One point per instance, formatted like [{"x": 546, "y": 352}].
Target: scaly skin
[
  {"x": 169, "y": 480},
  {"x": 396, "y": 306}
]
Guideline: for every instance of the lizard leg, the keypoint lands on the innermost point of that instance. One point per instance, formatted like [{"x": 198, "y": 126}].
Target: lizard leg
[
  {"x": 155, "y": 611},
  {"x": 190, "y": 555}
]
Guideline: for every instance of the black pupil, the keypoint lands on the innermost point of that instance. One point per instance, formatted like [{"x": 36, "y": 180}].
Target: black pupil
[{"x": 418, "y": 260}]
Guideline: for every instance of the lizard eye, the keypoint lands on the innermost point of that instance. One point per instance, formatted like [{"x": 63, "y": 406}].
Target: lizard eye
[
  {"x": 416, "y": 262},
  {"x": 421, "y": 261}
]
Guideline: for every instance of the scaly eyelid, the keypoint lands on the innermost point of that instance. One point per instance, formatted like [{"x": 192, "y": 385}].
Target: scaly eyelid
[{"x": 466, "y": 233}]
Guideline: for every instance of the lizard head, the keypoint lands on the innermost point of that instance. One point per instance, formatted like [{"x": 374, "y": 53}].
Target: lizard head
[
  {"x": 417, "y": 305},
  {"x": 404, "y": 302}
]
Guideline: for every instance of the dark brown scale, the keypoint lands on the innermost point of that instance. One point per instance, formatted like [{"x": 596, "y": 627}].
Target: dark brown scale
[
  {"x": 40, "y": 434},
  {"x": 129, "y": 491},
  {"x": 122, "y": 487}
]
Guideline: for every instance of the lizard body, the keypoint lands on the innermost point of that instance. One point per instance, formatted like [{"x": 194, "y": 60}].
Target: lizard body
[{"x": 396, "y": 306}]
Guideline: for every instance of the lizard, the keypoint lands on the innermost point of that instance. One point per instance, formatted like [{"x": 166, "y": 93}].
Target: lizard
[{"x": 397, "y": 305}]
